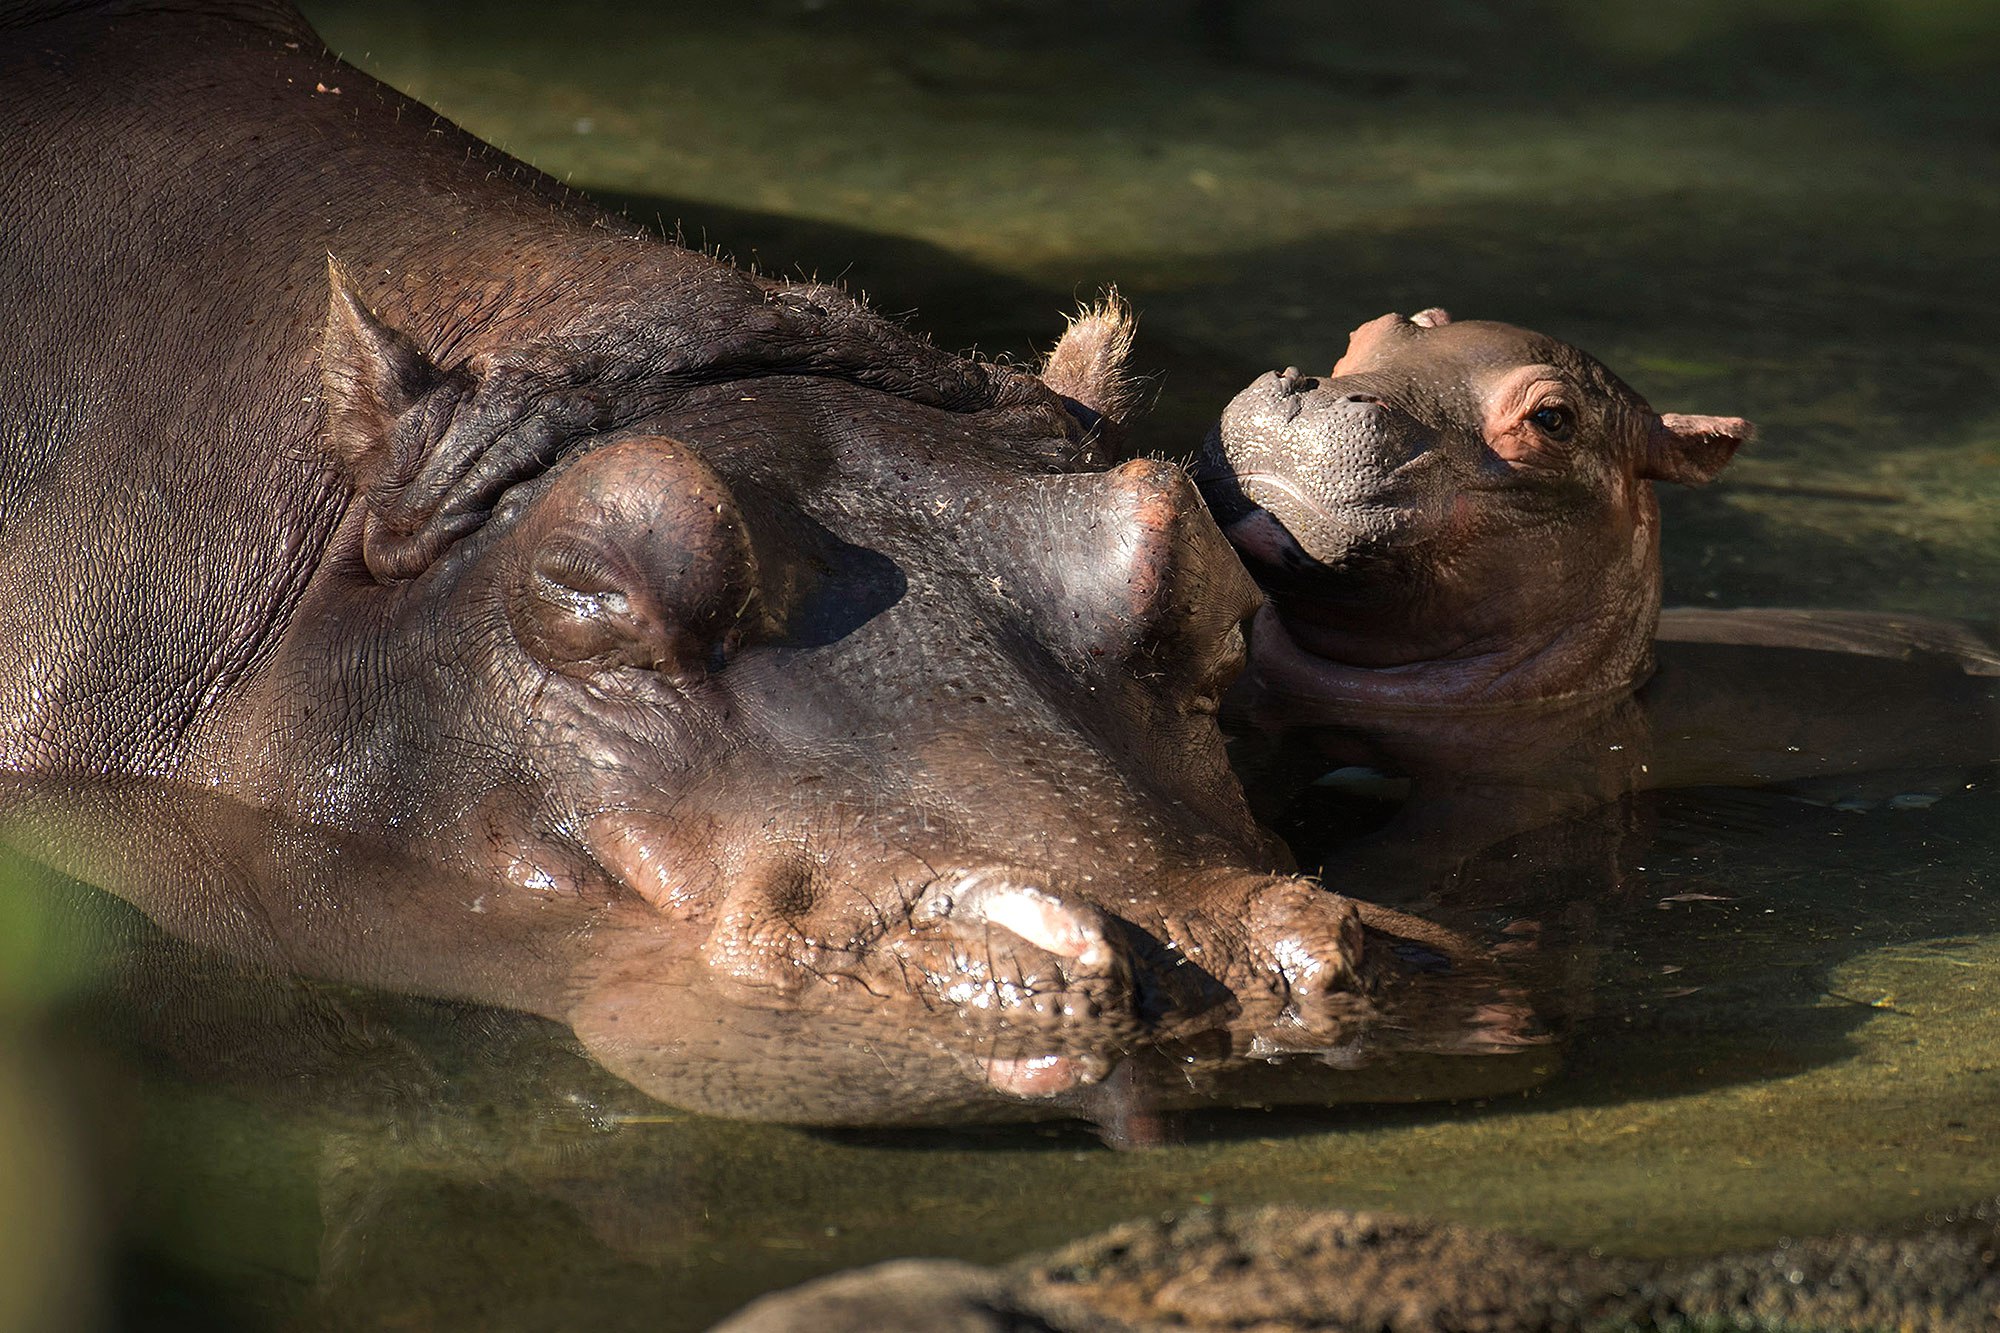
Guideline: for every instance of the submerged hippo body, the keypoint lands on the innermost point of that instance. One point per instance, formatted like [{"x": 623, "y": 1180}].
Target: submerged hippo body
[
  {"x": 693, "y": 658},
  {"x": 1458, "y": 532}
]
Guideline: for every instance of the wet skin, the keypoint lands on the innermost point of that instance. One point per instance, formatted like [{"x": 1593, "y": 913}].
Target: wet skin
[
  {"x": 818, "y": 723},
  {"x": 1458, "y": 532}
]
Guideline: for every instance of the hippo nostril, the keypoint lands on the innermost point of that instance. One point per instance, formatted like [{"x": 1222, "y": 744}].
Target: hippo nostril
[
  {"x": 1368, "y": 399},
  {"x": 1311, "y": 938},
  {"x": 1288, "y": 380}
]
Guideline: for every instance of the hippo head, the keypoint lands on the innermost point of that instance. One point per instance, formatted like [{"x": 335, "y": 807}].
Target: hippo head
[
  {"x": 819, "y": 726},
  {"x": 1460, "y": 513}
]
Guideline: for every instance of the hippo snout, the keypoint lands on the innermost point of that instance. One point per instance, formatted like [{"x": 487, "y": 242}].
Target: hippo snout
[
  {"x": 1288, "y": 423},
  {"x": 1328, "y": 463}
]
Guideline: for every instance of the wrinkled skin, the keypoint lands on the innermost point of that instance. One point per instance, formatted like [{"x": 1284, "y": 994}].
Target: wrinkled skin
[
  {"x": 1458, "y": 531},
  {"x": 814, "y": 720}
]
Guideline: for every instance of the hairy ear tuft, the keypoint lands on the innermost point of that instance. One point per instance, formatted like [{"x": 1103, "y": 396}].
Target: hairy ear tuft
[
  {"x": 1692, "y": 449},
  {"x": 371, "y": 376},
  {"x": 1088, "y": 364}
]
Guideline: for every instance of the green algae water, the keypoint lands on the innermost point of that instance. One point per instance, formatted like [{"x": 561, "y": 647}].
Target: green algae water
[{"x": 1786, "y": 1005}]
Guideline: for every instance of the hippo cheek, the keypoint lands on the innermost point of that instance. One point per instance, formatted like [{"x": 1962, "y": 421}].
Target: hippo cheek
[{"x": 503, "y": 846}]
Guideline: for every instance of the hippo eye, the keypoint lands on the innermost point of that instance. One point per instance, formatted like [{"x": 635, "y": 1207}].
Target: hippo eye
[{"x": 1554, "y": 421}]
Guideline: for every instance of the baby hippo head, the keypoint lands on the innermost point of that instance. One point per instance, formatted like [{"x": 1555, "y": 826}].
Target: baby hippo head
[{"x": 1460, "y": 512}]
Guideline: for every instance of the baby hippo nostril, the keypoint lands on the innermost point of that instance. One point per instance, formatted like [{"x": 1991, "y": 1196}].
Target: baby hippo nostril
[{"x": 1288, "y": 380}]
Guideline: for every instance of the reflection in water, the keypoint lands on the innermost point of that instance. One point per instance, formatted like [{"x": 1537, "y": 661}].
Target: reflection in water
[
  {"x": 293, "y": 900},
  {"x": 487, "y": 1134},
  {"x": 406, "y": 1158},
  {"x": 394, "y": 1158},
  {"x": 1834, "y": 706}
]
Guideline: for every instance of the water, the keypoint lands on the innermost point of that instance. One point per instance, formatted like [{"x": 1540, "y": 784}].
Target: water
[{"x": 1784, "y": 1010}]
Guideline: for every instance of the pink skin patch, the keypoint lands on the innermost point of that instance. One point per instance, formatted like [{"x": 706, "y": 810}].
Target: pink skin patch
[
  {"x": 1036, "y": 1076},
  {"x": 1362, "y": 343},
  {"x": 1692, "y": 449}
]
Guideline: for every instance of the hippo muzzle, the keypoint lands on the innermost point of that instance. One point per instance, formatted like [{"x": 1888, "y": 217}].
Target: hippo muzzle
[{"x": 1313, "y": 479}]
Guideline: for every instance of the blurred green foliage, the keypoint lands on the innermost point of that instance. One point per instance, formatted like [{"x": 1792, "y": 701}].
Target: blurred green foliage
[
  {"x": 46, "y": 1242},
  {"x": 44, "y": 956}
]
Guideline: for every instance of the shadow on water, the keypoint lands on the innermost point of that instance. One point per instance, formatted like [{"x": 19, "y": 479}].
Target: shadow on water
[{"x": 1837, "y": 342}]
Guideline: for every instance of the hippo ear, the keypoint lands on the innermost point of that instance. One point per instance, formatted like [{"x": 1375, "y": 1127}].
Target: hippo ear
[
  {"x": 1088, "y": 366},
  {"x": 372, "y": 376},
  {"x": 1692, "y": 449}
]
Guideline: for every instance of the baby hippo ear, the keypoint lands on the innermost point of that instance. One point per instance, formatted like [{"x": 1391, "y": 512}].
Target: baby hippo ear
[{"x": 1692, "y": 449}]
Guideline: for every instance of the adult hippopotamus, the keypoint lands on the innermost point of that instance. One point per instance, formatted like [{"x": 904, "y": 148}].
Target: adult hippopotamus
[
  {"x": 1458, "y": 531},
  {"x": 462, "y": 590}
]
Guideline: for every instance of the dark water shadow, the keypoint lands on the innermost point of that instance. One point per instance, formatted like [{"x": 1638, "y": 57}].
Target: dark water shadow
[
  {"x": 1828, "y": 327},
  {"x": 960, "y": 305}
]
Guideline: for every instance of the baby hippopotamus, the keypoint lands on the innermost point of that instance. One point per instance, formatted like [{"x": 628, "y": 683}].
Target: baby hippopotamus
[
  {"x": 1460, "y": 514},
  {"x": 1459, "y": 537}
]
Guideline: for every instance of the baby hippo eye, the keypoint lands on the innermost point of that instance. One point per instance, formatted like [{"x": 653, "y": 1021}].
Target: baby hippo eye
[{"x": 1554, "y": 421}]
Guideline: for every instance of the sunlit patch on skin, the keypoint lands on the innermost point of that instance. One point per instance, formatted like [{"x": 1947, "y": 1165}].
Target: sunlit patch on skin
[
  {"x": 1046, "y": 924},
  {"x": 1037, "y": 1075},
  {"x": 1036, "y": 915},
  {"x": 985, "y": 993},
  {"x": 646, "y": 860},
  {"x": 1294, "y": 958}
]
